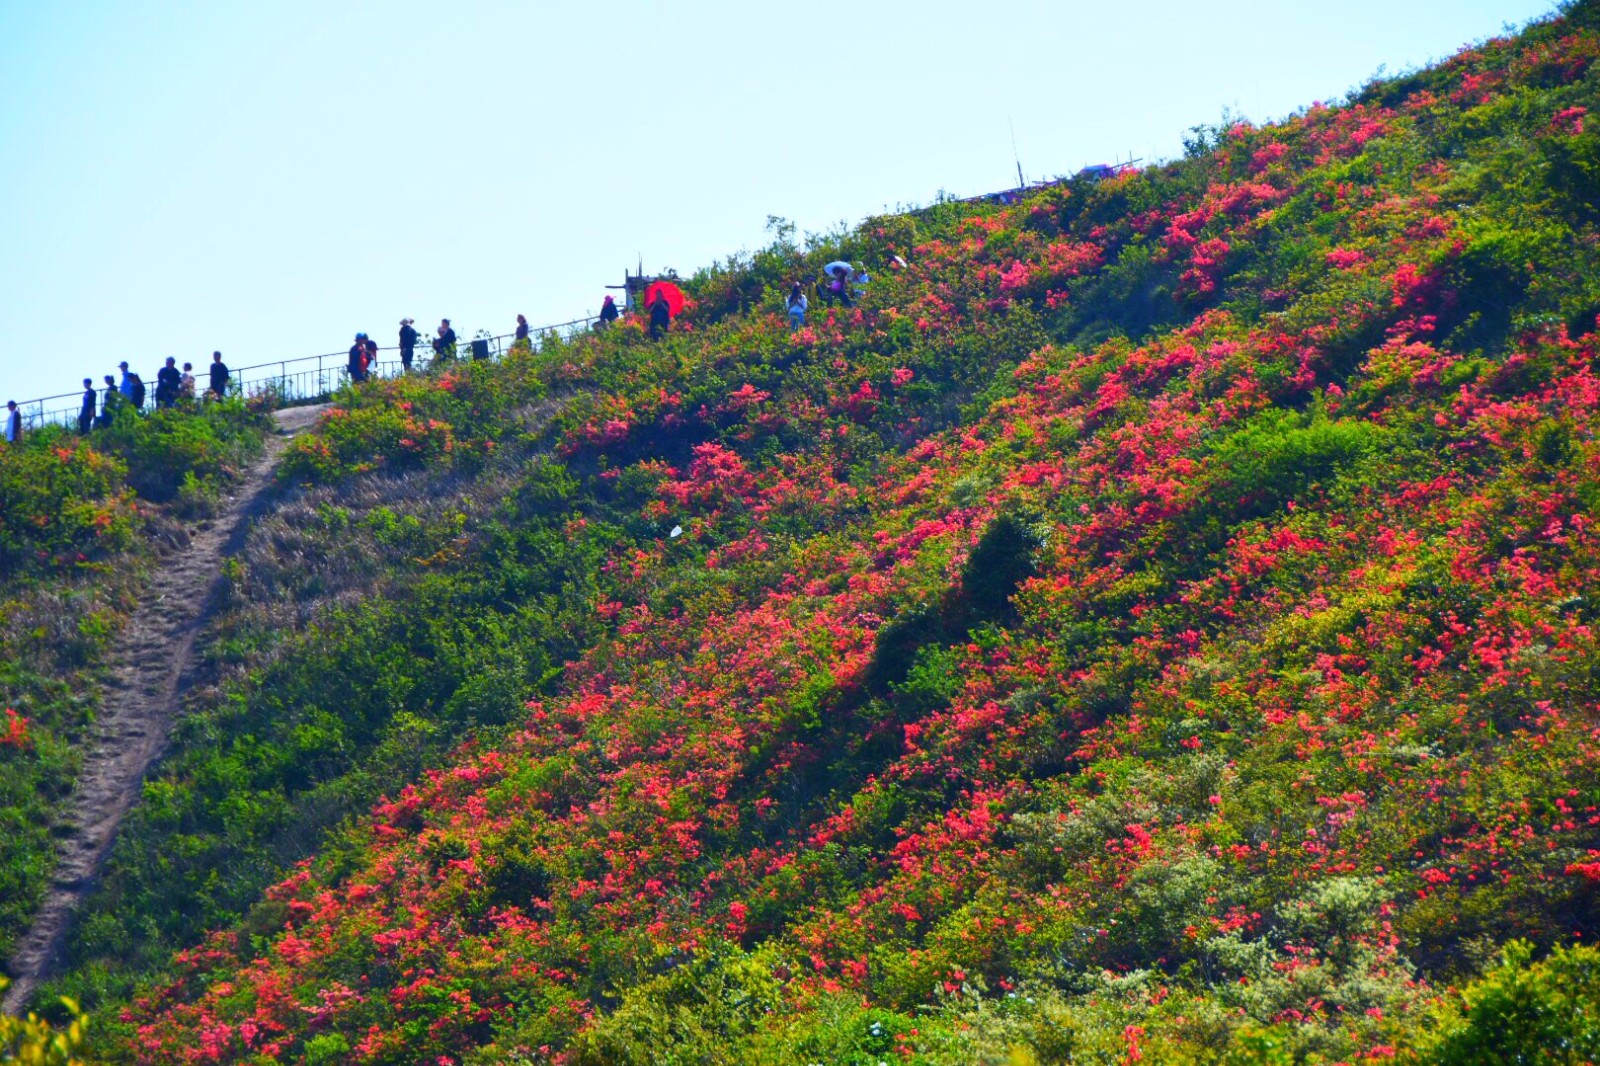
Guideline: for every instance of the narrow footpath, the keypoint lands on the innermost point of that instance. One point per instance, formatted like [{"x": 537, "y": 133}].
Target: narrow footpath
[{"x": 150, "y": 668}]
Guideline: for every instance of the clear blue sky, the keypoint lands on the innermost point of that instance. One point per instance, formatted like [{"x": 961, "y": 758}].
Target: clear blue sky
[{"x": 268, "y": 178}]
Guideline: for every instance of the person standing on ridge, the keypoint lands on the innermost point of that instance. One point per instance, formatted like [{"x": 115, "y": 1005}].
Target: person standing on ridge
[
  {"x": 109, "y": 403},
  {"x": 135, "y": 385},
  {"x": 219, "y": 376},
  {"x": 660, "y": 317},
  {"x": 168, "y": 381},
  {"x": 408, "y": 344},
  {"x": 186, "y": 383},
  {"x": 522, "y": 328},
  {"x": 608, "y": 313},
  {"x": 126, "y": 385},
  {"x": 798, "y": 305},
  {"x": 358, "y": 359},
  {"x": 371, "y": 354},
  {"x": 13, "y": 423},
  {"x": 86, "y": 413},
  {"x": 444, "y": 345}
]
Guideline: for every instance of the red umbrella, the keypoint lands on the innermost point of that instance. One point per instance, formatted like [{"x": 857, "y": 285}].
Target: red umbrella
[{"x": 658, "y": 289}]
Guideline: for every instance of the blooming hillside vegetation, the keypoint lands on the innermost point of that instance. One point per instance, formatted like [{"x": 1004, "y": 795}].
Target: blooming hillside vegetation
[
  {"x": 80, "y": 521},
  {"x": 1157, "y": 624}
]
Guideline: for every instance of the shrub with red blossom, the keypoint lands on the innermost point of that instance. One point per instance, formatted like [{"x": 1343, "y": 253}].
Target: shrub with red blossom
[{"x": 1161, "y": 616}]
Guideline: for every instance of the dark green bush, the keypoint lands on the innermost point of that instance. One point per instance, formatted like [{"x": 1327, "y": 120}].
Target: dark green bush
[
  {"x": 165, "y": 448},
  {"x": 1526, "y": 1013}
]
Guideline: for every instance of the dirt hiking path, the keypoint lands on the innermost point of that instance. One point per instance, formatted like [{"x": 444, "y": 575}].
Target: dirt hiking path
[{"x": 149, "y": 668}]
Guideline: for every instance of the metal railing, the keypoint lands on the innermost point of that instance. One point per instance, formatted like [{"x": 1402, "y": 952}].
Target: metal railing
[{"x": 301, "y": 379}]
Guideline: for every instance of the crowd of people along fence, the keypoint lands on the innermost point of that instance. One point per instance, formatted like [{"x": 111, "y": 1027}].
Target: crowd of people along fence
[
  {"x": 663, "y": 301},
  {"x": 174, "y": 387}
]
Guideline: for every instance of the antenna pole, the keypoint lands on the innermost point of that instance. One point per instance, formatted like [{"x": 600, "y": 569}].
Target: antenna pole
[{"x": 1022, "y": 183}]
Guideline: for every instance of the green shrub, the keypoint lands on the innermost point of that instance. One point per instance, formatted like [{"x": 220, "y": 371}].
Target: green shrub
[
  {"x": 164, "y": 448},
  {"x": 1280, "y": 453},
  {"x": 1526, "y": 1013}
]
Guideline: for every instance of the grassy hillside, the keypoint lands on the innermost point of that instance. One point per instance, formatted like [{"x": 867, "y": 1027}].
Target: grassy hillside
[
  {"x": 1159, "y": 623},
  {"x": 82, "y": 523}
]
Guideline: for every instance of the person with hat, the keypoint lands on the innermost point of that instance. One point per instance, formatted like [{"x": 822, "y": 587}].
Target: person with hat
[{"x": 408, "y": 343}]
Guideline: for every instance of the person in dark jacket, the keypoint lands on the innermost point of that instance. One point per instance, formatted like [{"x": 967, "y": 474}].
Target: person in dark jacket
[
  {"x": 444, "y": 345},
  {"x": 371, "y": 353},
  {"x": 219, "y": 376},
  {"x": 358, "y": 359},
  {"x": 408, "y": 343},
  {"x": 136, "y": 391},
  {"x": 608, "y": 314},
  {"x": 86, "y": 413},
  {"x": 13, "y": 423},
  {"x": 168, "y": 381},
  {"x": 522, "y": 328},
  {"x": 110, "y": 402},
  {"x": 660, "y": 317}
]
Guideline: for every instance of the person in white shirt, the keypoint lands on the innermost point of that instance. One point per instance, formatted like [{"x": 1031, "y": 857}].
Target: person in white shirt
[
  {"x": 186, "y": 382},
  {"x": 797, "y": 307}
]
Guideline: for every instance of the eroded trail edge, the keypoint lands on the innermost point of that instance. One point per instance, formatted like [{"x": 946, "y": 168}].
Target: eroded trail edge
[{"x": 148, "y": 672}]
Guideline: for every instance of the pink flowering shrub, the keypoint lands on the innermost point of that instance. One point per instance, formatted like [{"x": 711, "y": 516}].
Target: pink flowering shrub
[{"x": 1161, "y": 616}]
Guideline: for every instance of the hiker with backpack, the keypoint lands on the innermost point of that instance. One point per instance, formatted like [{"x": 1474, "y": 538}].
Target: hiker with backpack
[
  {"x": 358, "y": 359},
  {"x": 219, "y": 376}
]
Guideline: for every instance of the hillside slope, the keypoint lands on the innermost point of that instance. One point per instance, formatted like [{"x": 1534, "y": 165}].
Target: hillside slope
[
  {"x": 1159, "y": 622},
  {"x": 87, "y": 528}
]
